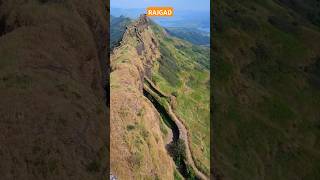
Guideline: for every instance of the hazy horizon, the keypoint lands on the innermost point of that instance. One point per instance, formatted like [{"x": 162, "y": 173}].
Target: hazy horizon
[
  {"x": 182, "y": 18},
  {"x": 177, "y": 4}
]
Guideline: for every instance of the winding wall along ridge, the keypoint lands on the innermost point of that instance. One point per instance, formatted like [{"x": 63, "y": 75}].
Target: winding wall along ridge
[{"x": 184, "y": 135}]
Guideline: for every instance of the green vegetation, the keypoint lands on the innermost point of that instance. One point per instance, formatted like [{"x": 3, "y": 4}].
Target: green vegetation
[
  {"x": 191, "y": 174},
  {"x": 267, "y": 97},
  {"x": 163, "y": 128},
  {"x": 136, "y": 159},
  {"x": 117, "y": 28},
  {"x": 183, "y": 70},
  {"x": 178, "y": 151},
  {"x": 130, "y": 127},
  {"x": 177, "y": 175},
  {"x": 192, "y": 35}
]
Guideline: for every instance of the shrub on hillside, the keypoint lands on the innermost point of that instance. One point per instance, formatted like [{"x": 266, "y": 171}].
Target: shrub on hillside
[{"x": 177, "y": 151}]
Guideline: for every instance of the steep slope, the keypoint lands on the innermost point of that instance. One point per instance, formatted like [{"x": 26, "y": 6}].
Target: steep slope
[
  {"x": 179, "y": 147},
  {"x": 137, "y": 148},
  {"x": 183, "y": 72},
  {"x": 52, "y": 72},
  {"x": 117, "y": 28},
  {"x": 148, "y": 59},
  {"x": 266, "y": 83}
]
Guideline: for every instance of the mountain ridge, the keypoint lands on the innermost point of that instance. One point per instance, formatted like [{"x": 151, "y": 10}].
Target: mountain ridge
[
  {"x": 136, "y": 140},
  {"x": 137, "y": 53}
]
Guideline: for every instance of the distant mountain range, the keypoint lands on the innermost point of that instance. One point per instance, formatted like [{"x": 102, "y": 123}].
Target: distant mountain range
[
  {"x": 192, "y": 35},
  {"x": 182, "y": 18},
  {"x": 117, "y": 28}
]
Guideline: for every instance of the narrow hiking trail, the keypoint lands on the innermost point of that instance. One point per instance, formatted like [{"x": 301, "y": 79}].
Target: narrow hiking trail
[{"x": 178, "y": 126}]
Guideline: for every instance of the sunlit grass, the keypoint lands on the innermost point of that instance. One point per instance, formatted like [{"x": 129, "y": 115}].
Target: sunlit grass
[{"x": 190, "y": 85}]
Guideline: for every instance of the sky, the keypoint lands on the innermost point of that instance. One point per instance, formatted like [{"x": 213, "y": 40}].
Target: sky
[{"x": 177, "y": 4}]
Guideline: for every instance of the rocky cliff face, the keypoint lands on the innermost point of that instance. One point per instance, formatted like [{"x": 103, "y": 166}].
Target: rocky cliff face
[
  {"x": 137, "y": 148},
  {"x": 52, "y": 70}
]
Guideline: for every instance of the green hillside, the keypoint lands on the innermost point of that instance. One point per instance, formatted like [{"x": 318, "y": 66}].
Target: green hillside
[
  {"x": 192, "y": 35},
  {"x": 266, "y": 89},
  {"x": 117, "y": 28},
  {"x": 183, "y": 71}
]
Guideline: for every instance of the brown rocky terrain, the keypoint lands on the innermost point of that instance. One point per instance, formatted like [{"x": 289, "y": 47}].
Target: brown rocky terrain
[
  {"x": 52, "y": 72},
  {"x": 137, "y": 148}
]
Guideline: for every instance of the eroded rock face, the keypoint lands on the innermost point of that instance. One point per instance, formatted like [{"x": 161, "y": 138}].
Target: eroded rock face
[
  {"x": 137, "y": 148},
  {"x": 52, "y": 72}
]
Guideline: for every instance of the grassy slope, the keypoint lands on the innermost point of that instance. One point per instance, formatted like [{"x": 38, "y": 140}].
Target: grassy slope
[
  {"x": 192, "y": 35},
  {"x": 137, "y": 148},
  {"x": 52, "y": 108},
  {"x": 183, "y": 71},
  {"x": 267, "y": 90}
]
